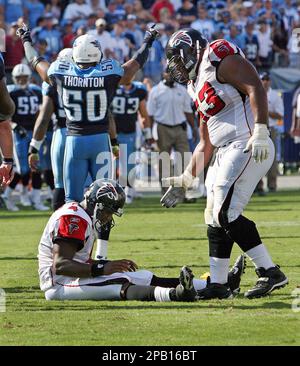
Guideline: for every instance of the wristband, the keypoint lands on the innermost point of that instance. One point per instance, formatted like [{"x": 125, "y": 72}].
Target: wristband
[
  {"x": 97, "y": 269},
  {"x": 147, "y": 133},
  {"x": 32, "y": 150},
  {"x": 114, "y": 142},
  {"x": 36, "y": 144},
  {"x": 9, "y": 161}
]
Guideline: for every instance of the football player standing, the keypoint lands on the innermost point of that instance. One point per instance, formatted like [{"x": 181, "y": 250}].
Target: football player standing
[
  {"x": 7, "y": 109},
  {"x": 128, "y": 101},
  {"x": 87, "y": 87},
  {"x": 233, "y": 109}
]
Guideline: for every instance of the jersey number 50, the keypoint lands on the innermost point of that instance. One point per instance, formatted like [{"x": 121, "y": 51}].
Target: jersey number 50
[{"x": 93, "y": 101}]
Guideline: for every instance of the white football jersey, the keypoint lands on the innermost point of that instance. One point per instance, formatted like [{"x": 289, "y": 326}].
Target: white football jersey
[
  {"x": 226, "y": 111},
  {"x": 70, "y": 222}
]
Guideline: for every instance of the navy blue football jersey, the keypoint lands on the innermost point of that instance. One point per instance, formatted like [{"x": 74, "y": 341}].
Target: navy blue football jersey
[
  {"x": 125, "y": 106},
  {"x": 60, "y": 116},
  {"x": 27, "y": 103},
  {"x": 86, "y": 94},
  {"x": 2, "y": 67}
]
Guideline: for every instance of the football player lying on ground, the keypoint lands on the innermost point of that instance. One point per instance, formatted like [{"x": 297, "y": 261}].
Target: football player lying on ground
[
  {"x": 67, "y": 271},
  {"x": 233, "y": 109}
]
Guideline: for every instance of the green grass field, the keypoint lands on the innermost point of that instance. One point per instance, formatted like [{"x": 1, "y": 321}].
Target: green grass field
[{"x": 162, "y": 241}]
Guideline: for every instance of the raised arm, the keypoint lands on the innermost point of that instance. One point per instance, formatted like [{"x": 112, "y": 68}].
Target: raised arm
[
  {"x": 38, "y": 63},
  {"x": 140, "y": 57}
]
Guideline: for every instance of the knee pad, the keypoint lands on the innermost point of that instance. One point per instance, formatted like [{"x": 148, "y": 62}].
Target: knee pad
[
  {"x": 244, "y": 232},
  {"x": 220, "y": 244}
]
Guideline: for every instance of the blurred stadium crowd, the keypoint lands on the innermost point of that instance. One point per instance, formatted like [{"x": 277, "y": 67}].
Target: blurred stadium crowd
[{"x": 265, "y": 30}]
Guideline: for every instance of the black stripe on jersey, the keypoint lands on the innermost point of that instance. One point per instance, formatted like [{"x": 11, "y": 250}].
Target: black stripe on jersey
[{"x": 114, "y": 281}]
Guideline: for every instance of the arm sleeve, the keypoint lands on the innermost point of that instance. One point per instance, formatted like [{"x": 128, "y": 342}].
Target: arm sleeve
[{"x": 72, "y": 228}]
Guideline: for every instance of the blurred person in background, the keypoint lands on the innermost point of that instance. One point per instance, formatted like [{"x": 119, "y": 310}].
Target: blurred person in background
[
  {"x": 203, "y": 24},
  {"x": 119, "y": 44},
  {"x": 52, "y": 35},
  {"x": 169, "y": 106},
  {"x": 280, "y": 43},
  {"x": 68, "y": 35},
  {"x": 250, "y": 44},
  {"x": 276, "y": 112},
  {"x": 265, "y": 51},
  {"x": 153, "y": 68},
  {"x": 54, "y": 7},
  {"x": 33, "y": 10},
  {"x": 14, "y": 51},
  {"x": 161, "y": 8},
  {"x": 186, "y": 14},
  {"x": 234, "y": 36},
  {"x": 103, "y": 37},
  {"x": 12, "y": 10},
  {"x": 141, "y": 13}
]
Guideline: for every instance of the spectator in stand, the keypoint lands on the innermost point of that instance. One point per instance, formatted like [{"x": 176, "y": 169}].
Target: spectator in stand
[
  {"x": 291, "y": 14},
  {"x": 251, "y": 45},
  {"x": 268, "y": 13},
  {"x": 141, "y": 13},
  {"x": 265, "y": 42},
  {"x": 12, "y": 10},
  {"x": 203, "y": 24},
  {"x": 81, "y": 31},
  {"x": 14, "y": 51},
  {"x": 91, "y": 22},
  {"x": 234, "y": 36},
  {"x": 147, "y": 4},
  {"x": 114, "y": 14},
  {"x": 51, "y": 35},
  {"x": 104, "y": 38},
  {"x": 33, "y": 10},
  {"x": 119, "y": 45},
  {"x": 97, "y": 5},
  {"x": 294, "y": 49},
  {"x": 162, "y": 7},
  {"x": 186, "y": 14},
  {"x": 280, "y": 42},
  {"x": 224, "y": 23},
  {"x": 77, "y": 12},
  {"x": 134, "y": 30},
  {"x": 54, "y": 8},
  {"x": 69, "y": 35},
  {"x": 153, "y": 68}
]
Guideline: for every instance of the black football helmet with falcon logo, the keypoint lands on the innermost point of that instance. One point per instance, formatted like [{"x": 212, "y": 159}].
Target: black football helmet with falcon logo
[
  {"x": 182, "y": 51},
  {"x": 104, "y": 198}
]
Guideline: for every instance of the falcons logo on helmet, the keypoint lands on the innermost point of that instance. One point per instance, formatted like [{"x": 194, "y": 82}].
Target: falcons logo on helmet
[
  {"x": 107, "y": 190},
  {"x": 181, "y": 37}
]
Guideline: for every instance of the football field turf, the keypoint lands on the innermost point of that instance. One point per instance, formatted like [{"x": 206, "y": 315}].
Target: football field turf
[{"x": 162, "y": 241}]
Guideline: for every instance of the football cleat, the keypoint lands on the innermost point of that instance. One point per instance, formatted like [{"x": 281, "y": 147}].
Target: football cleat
[
  {"x": 185, "y": 291},
  {"x": 214, "y": 291},
  {"x": 268, "y": 281},
  {"x": 235, "y": 274}
]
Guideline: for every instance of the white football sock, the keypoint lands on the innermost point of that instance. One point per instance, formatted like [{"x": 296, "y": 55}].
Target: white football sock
[
  {"x": 260, "y": 256},
  {"x": 219, "y": 268},
  {"x": 162, "y": 294},
  {"x": 101, "y": 250},
  {"x": 199, "y": 284},
  {"x": 8, "y": 192}
]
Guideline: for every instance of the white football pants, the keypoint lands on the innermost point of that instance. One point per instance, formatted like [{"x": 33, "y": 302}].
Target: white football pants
[
  {"x": 235, "y": 168},
  {"x": 97, "y": 288}
]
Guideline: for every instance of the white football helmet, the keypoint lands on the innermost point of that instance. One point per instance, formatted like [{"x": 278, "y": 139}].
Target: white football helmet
[
  {"x": 21, "y": 70},
  {"x": 87, "y": 49},
  {"x": 65, "y": 55}
]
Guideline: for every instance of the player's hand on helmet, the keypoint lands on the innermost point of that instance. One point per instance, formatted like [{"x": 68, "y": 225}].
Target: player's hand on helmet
[
  {"x": 122, "y": 265},
  {"x": 258, "y": 143},
  {"x": 176, "y": 192},
  {"x": 6, "y": 173},
  {"x": 24, "y": 34},
  {"x": 151, "y": 35}
]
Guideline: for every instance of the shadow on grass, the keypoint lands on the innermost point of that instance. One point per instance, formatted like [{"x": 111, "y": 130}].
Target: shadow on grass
[{"x": 18, "y": 258}]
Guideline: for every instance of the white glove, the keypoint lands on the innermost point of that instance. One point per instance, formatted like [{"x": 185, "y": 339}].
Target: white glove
[
  {"x": 178, "y": 186},
  {"x": 259, "y": 143}
]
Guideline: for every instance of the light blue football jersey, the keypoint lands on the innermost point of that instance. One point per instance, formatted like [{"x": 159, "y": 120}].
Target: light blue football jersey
[{"x": 86, "y": 93}]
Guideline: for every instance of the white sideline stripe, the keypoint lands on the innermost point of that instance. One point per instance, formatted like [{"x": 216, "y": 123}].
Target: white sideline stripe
[{"x": 265, "y": 223}]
